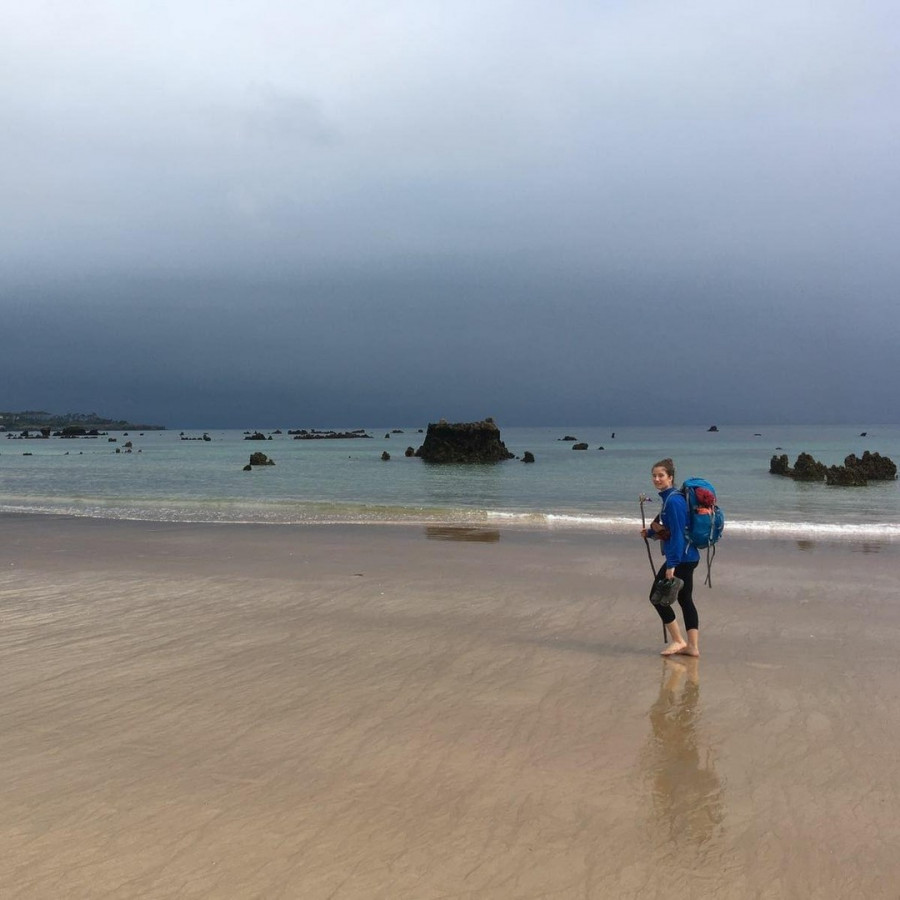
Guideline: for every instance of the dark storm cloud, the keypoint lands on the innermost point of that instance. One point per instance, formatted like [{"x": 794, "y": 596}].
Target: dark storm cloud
[{"x": 349, "y": 212}]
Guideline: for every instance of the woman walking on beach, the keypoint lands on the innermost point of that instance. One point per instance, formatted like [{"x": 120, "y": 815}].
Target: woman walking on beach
[{"x": 681, "y": 560}]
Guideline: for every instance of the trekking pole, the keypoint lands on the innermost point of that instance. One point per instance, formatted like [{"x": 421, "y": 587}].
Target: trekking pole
[{"x": 643, "y": 500}]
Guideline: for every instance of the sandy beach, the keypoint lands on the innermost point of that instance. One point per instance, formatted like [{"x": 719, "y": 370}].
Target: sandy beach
[{"x": 199, "y": 711}]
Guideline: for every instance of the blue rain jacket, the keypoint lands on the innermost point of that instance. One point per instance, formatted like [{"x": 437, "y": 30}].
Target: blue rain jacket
[{"x": 674, "y": 517}]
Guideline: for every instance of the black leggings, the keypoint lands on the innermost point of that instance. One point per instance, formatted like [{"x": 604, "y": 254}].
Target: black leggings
[{"x": 684, "y": 571}]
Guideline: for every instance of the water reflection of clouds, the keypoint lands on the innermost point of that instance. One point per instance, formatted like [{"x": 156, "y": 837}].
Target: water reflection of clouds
[{"x": 679, "y": 763}]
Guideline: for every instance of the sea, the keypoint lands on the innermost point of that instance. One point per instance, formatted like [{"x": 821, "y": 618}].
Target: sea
[{"x": 177, "y": 476}]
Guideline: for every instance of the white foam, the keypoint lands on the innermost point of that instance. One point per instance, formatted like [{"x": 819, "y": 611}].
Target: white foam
[{"x": 349, "y": 513}]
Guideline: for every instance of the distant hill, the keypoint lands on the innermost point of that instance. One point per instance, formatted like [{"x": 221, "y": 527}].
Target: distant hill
[{"x": 30, "y": 419}]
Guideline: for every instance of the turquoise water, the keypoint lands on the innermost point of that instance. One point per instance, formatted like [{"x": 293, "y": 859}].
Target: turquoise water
[{"x": 169, "y": 479}]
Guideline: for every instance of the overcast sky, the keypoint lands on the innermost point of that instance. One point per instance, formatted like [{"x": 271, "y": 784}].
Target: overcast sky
[{"x": 340, "y": 212}]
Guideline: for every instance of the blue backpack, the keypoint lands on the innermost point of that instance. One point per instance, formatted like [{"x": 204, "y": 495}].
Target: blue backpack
[{"x": 705, "y": 520}]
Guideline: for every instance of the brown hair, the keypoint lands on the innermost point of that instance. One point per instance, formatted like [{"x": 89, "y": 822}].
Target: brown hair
[{"x": 666, "y": 464}]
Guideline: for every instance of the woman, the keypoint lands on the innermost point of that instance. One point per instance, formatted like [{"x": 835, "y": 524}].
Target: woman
[{"x": 681, "y": 560}]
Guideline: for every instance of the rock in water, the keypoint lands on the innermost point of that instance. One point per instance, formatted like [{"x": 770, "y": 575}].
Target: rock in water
[
  {"x": 874, "y": 466},
  {"x": 809, "y": 469},
  {"x": 845, "y": 476},
  {"x": 463, "y": 442},
  {"x": 779, "y": 465},
  {"x": 856, "y": 472}
]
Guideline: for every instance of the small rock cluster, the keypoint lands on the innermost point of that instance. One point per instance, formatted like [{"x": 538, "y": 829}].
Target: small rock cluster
[
  {"x": 302, "y": 434},
  {"x": 258, "y": 459},
  {"x": 855, "y": 472}
]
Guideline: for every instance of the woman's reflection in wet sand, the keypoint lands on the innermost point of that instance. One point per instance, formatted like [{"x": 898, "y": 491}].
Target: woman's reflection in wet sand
[{"x": 685, "y": 789}]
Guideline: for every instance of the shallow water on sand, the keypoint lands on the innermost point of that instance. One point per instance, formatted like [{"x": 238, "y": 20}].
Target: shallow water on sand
[{"x": 234, "y": 711}]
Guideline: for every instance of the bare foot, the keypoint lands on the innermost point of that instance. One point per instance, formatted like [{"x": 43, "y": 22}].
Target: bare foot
[
  {"x": 688, "y": 651},
  {"x": 673, "y": 648}
]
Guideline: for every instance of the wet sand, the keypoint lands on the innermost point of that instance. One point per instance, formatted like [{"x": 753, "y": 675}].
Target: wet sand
[{"x": 259, "y": 711}]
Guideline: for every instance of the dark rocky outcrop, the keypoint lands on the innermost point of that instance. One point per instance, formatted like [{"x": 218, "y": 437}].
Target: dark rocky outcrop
[
  {"x": 256, "y": 436},
  {"x": 805, "y": 469},
  {"x": 528, "y": 456},
  {"x": 385, "y": 456},
  {"x": 568, "y": 438},
  {"x": 28, "y": 436},
  {"x": 846, "y": 476},
  {"x": 260, "y": 459},
  {"x": 713, "y": 428},
  {"x": 809, "y": 469},
  {"x": 463, "y": 442},
  {"x": 410, "y": 451},
  {"x": 856, "y": 471},
  {"x": 581, "y": 446},
  {"x": 301, "y": 434},
  {"x": 874, "y": 466},
  {"x": 780, "y": 465}
]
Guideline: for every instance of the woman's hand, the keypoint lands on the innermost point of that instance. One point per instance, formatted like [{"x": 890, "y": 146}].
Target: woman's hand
[{"x": 670, "y": 574}]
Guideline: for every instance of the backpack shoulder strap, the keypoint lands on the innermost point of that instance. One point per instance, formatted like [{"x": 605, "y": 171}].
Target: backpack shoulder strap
[{"x": 669, "y": 497}]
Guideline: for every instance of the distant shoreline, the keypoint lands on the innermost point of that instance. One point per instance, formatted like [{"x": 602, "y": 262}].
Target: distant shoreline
[{"x": 34, "y": 420}]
